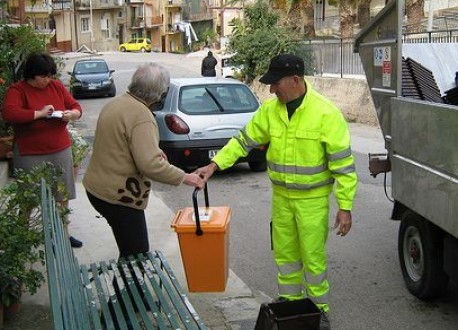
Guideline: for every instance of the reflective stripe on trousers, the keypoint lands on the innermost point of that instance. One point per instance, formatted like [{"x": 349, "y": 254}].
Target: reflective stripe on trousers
[{"x": 299, "y": 232}]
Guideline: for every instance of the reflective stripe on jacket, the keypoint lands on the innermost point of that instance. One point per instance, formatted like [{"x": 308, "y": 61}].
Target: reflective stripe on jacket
[{"x": 306, "y": 154}]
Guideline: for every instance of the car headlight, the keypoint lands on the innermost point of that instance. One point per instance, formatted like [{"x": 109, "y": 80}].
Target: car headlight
[
  {"x": 106, "y": 82},
  {"x": 76, "y": 83}
]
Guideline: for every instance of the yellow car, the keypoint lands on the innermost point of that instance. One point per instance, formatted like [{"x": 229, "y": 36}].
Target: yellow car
[{"x": 136, "y": 45}]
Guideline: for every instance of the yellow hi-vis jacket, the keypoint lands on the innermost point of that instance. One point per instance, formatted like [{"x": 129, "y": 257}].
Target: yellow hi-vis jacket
[{"x": 306, "y": 154}]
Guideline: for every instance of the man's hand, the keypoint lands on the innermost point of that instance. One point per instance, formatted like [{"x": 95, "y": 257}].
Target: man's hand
[
  {"x": 194, "y": 180},
  {"x": 206, "y": 172},
  {"x": 343, "y": 222}
]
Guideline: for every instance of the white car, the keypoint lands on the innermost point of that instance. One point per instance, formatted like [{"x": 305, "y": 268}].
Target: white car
[
  {"x": 227, "y": 69},
  {"x": 199, "y": 115}
]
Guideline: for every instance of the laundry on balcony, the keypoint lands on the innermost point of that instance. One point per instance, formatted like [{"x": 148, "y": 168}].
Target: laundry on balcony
[{"x": 188, "y": 30}]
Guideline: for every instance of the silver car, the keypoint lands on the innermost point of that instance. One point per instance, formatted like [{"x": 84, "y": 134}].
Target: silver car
[{"x": 199, "y": 115}]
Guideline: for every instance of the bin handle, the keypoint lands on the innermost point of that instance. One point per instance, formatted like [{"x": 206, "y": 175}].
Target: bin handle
[
  {"x": 176, "y": 219},
  {"x": 199, "y": 231}
]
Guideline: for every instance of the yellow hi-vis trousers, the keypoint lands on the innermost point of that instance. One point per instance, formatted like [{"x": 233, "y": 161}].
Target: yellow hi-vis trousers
[{"x": 299, "y": 232}]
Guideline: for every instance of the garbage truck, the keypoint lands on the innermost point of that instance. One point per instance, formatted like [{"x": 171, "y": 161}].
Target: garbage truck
[{"x": 419, "y": 123}]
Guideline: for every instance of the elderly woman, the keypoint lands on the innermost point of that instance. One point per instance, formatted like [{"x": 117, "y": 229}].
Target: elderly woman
[
  {"x": 126, "y": 158},
  {"x": 39, "y": 108}
]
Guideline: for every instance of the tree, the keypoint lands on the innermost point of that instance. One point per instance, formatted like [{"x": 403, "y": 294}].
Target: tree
[
  {"x": 414, "y": 12},
  {"x": 298, "y": 14},
  {"x": 347, "y": 13},
  {"x": 259, "y": 37},
  {"x": 364, "y": 12}
]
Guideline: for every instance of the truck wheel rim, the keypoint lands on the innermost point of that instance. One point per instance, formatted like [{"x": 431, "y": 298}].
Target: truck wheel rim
[{"x": 413, "y": 254}]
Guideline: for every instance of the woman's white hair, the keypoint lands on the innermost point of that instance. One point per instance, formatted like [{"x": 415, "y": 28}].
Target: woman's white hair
[{"x": 149, "y": 82}]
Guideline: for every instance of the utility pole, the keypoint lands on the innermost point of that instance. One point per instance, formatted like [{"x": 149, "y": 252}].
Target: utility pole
[
  {"x": 430, "y": 17},
  {"x": 91, "y": 26},
  {"x": 221, "y": 17},
  {"x": 75, "y": 23}
]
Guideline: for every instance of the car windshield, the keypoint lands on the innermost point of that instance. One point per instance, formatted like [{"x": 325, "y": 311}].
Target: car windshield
[
  {"x": 90, "y": 67},
  {"x": 211, "y": 99}
]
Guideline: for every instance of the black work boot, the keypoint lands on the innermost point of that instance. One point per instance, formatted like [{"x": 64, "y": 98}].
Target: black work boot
[
  {"x": 324, "y": 322},
  {"x": 75, "y": 243}
]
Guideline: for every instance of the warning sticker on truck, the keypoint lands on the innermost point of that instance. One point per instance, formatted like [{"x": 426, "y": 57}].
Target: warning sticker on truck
[{"x": 382, "y": 59}]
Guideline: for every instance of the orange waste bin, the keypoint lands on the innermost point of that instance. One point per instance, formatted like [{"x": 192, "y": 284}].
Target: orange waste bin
[{"x": 203, "y": 234}]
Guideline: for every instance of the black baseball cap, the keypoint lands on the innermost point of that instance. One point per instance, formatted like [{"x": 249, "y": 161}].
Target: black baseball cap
[{"x": 283, "y": 65}]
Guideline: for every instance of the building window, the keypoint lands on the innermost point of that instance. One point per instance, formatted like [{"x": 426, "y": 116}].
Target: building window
[
  {"x": 105, "y": 27},
  {"x": 85, "y": 24}
]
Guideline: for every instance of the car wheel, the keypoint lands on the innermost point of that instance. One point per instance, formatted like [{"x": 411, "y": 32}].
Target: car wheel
[
  {"x": 420, "y": 249},
  {"x": 258, "y": 166},
  {"x": 112, "y": 92},
  {"x": 123, "y": 49},
  {"x": 143, "y": 50}
]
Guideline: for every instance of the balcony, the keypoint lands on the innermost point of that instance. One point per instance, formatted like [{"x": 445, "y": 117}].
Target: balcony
[
  {"x": 106, "y": 4},
  {"x": 98, "y": 4},
  {"x": 170, "y": 4},
  {"x": 138, "y": 23},
  {"x": 172, "y": 29},
  {"x": 200, "y": 17},
  {"x": 38, "y": 9},
  {"x": 61, "y": 5},
  {"x": 156, "y": 21}
]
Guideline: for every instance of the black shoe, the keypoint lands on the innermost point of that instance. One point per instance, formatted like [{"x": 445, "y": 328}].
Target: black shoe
[
  {"x": 279, "y": 299},
  {"x": 324, "y": 322},
  {"x": 75, "y": 243}
]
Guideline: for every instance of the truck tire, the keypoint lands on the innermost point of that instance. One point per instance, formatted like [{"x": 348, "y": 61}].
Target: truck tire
[{"x": 420, "y": 248}]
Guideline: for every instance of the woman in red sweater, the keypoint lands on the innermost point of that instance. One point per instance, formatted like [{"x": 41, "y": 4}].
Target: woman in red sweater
[{"x": 39, "y": 108}]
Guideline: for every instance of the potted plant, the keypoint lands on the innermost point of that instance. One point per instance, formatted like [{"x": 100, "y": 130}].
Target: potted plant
[
  {"x": 80, "y": 148},
  {"x": 6, "y": 140},
  {"x": 21, "y": 234}
]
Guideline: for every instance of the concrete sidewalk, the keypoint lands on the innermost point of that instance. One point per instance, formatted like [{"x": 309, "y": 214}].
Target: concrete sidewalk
[{"x": 236, "y": 308}]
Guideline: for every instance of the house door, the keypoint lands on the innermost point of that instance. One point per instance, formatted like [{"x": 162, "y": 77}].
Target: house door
[{"x": 121, "y": 33}]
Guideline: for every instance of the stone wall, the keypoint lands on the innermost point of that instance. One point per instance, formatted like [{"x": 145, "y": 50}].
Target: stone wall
[{"x": 351, "y": 95}]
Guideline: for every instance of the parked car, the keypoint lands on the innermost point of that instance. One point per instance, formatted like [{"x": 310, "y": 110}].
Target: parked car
[
  {"x": 199, "y": 115},
  {"x": 92, "y": 77},
  {"x": 228, "y": 70},
  {"x": 136, "y": 45}
]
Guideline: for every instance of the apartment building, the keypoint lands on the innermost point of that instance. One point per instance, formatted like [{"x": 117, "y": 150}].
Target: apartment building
[{"x": 172, "y": 25}]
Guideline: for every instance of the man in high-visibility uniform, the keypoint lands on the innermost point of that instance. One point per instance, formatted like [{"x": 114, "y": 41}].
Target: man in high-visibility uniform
[{"x": 308, "y": 155}]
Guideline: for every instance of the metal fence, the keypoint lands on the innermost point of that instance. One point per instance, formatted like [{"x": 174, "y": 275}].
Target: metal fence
[{"x": 335, "y": 57}]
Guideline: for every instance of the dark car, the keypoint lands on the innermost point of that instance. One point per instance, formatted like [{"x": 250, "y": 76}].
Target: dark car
[
  {"x": 199, "y": 115},
  {"x": 92, "y": 77}
]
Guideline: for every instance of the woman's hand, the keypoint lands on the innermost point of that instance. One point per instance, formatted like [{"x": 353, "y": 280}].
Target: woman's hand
[
  {"x": 69, "y": 115},
  {"x": 44, "y": 112},
  {"x": 194, "y": 180}
]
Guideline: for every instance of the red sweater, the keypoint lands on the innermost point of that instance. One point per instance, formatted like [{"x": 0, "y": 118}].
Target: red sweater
[{"x": 41, "y": 136}]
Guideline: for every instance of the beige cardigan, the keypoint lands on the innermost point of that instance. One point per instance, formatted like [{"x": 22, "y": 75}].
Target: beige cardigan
[{"x": 126, "y": 155}]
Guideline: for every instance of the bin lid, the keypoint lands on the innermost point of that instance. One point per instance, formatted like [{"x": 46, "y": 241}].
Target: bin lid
[{"x": 212, "y": 219}]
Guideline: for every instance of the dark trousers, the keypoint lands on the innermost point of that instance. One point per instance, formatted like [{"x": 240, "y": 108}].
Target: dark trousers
[{"x": 128, "y": 226}]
